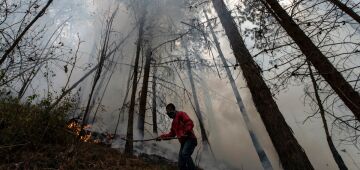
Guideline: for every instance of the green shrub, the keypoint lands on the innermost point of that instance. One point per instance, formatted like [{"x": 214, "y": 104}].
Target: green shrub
[{"x": 32, "y": 124}]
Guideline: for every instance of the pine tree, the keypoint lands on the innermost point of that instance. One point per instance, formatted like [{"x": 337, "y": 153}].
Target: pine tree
[
  {"x": 344, "y": 90},
  {"x": 290, "y": 152}
]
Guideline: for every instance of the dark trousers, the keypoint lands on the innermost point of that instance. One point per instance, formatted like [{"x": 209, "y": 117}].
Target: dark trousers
[{"x": 186, "y": 149}]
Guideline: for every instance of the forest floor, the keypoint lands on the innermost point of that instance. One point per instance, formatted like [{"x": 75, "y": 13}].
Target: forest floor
[
  {"x": 79, "y": 156},
  {"x": 31, "y": 137}
]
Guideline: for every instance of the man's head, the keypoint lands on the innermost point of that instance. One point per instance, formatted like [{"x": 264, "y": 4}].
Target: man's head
[{"x": 171, "y": 110}]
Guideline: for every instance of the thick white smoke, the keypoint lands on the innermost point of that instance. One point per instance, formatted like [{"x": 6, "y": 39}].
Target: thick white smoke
[{"x": 228, "y": 136}]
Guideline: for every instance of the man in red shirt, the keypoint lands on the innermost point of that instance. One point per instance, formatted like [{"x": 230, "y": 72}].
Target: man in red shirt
[{"x": 182, "y": 128}]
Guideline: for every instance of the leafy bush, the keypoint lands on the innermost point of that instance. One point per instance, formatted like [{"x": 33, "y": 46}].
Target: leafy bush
[{"x": 33, "y": 124}]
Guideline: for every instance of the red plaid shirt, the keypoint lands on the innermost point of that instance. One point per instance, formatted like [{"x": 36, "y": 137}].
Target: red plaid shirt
[{"x": 181, "y": 127}]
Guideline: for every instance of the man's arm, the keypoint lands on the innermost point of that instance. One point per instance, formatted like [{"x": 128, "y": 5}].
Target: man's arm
[
  {"x": 188, "y": 123},
  {"x": 168, "y": 135}
]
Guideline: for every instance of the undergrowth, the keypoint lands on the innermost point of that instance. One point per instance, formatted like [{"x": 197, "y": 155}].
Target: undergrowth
[{"x": 32, "y": 137}]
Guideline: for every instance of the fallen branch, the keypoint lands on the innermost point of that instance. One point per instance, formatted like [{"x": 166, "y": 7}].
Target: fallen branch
[{"x": 151, "y": 139}]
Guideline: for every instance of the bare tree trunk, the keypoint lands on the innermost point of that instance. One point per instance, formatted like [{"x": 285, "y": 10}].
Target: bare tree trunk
[
  {"x": 105, "y": 89},
  {"x": 102, "y": 57},
  {"x": 347, "y": 94},
  {"x": 195, "y": 98},
  {"x": 154, "y": 103},
  {"x": 96, "y": 100},
  {"x": 97, "y": 76},
  {"x": 335, "y": 153},
  {"x": 144, "y": 91},
  {"x": 346, "y": 9},
  {"x": 124, "y": 102},
  {"x": 129, "y": 135},
  {"x": 265, "y": 162},
  {"x": 18, "y": 39},
  {"x": 290, "y": 152}
]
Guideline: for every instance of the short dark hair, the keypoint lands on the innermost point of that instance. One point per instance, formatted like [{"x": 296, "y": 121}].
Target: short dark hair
[{"x": 170, "y": 106}]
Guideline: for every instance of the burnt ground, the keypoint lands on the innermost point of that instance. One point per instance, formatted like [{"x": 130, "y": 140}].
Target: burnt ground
[{"x": 80, "y": 156}]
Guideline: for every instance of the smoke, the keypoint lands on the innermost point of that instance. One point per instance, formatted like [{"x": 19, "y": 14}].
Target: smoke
[{"x": 228, "y": 135}]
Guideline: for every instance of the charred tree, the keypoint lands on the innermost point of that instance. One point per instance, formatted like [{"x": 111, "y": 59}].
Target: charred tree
[
  {"x": 96, "y": 101},
  {"x": 343, "y": 89},
  {"x": 102, "y": 57},
  {"x": 129, "y": 134},
  {"x": 121, "y": 110},
  {"x": 144, "y": 92},
  {"x": 96, "y": 78},
  {"x": 154, "y": 103},
  {"x": 265, "y": 162},
  {"x": 337, "y": 157},
  {"x": 105, "y": 89},
  {"x": 291, "y": 155}
]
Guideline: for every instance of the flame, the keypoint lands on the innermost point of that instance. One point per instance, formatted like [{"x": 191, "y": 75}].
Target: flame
[
  {"x": 74, "y": 126},
  {"x": 87, "y": 135}
]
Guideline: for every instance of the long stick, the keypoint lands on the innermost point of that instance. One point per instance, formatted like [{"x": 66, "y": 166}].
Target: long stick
[{"x": 151, "y": 139}]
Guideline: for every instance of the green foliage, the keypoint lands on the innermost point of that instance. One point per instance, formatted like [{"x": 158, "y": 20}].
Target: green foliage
[{"x": 32, "y": 124}]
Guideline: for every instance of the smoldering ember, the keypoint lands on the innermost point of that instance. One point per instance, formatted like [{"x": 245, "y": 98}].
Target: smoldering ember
[{"x": 180, "y": 84}]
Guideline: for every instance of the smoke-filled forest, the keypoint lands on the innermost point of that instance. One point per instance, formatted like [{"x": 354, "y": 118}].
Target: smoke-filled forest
[{"x": 180, "y": 84}]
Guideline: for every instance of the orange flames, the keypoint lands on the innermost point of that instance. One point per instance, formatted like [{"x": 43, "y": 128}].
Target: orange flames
[
  {"x": 74, "y": 126},
  {"x": 87, "y": 135}
]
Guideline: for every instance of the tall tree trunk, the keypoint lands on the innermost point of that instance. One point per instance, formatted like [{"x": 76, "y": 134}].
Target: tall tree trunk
[
  {"x": 96, "y": 100},
  {"x": 265, "y": 162},
  {"x": 154, "y": 103},
  {"x": 86, "y": 113},
  {"x": 124, "y": 101},
  {"x": 346, "y": 9},
  {"x": 347, "y": 94},
  {"x": 102, "y": 57},
  {"x": 18, "y": 39},
  {"x": 290, "y": 152},
  {"x": 333, "y": 150},
  {"x": 129, "y": 134},
  {"x": 112, "y": 68},
  {"x": 144, "y": 91},
  {"x": 195, "y": 98}
]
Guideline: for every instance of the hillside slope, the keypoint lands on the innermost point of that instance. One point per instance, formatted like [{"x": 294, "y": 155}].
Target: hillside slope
[{"x": 31, "y": 137}]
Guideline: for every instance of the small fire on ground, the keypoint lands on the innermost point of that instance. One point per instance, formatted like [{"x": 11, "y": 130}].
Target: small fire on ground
[{"x": 88, "y": 136}]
